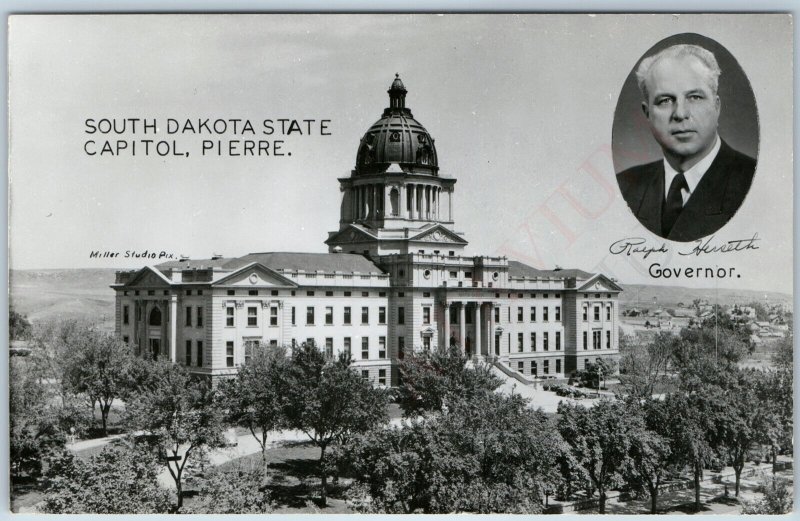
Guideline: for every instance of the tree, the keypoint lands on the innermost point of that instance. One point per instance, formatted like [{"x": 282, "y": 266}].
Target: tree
[
  {"x": 328, "y": 401},
  {"x": 19, "y": 327},
  {"x": 253, "y": 399},
  {"x": 601, "y": 438},
  {"x": 643, "y": 367},
  {"x": 651, "y": 456},
  {"x": 118, "y": 480},
  {"x": 433, "y": 379},
  {"x": 178, "y": 417},
  {"x": 100, "y": 367},
  {"x": 488, "y": 454},
  {"x": 236, "y": 490},
  {"x": 691, "y": 430}
]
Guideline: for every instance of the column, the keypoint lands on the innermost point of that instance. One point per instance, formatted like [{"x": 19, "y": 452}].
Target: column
[
  {"x": 449, "y": 205},
  {"x": 478, "y": 350},
  {"x": 446, "y": 342},
  {"x": 402, "y": 202},
  {"x": 413, "y": 201},
  {"x": 491, "y": 335},
  {"x": 462, "y": 326},
  {"x": 173, "y": 328},
  {"x": 375, "y": 202}
]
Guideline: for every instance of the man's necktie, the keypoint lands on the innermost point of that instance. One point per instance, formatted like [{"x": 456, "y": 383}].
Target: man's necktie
[{"x": 673, "y": 205}]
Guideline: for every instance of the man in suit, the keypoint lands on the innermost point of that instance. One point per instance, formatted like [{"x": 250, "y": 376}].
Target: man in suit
[{"x": 701, "y": 181}]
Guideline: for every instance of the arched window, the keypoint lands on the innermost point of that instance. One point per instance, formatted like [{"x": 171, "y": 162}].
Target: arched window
[
  {"x": 394, "y": 201},
  {"x": 155, "y": 317}
]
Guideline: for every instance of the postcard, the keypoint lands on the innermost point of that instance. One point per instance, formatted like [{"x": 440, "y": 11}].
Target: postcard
[{"x": 401, "y": 263}]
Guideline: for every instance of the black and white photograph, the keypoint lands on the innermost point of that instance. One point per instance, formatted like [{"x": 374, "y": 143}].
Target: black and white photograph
[{"x": 400, "y": 263}]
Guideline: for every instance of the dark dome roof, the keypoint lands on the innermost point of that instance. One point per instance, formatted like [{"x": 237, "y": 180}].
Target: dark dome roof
[{"x": 397, "y": 138}]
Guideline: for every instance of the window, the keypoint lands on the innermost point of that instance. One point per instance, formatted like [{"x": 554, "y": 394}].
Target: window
[
  {"x": 199, "y": 353},
  {"x": 125, "y": 338},
  {"x": 426, "y": 343},
  {"x": 534, "y": 369},
  {"x": 347, "y": 347},
  {"x": 585, "y": 363},
  {"x": 329, "y": 347},
  {"x": 453, "y": 274},
  {"x": 188, "y": 352},
  {"x": 329, "y": 315},
  {"x": 329, "y": 293},
  {"x": 558, "y": 366},
  {"x": 558, "y": 313},
  {"x": 585, "y": 313},
  {"x": 426, "y": 315},
  {"x": 381, "y": 315},
  {"x": 584, "y": 339},
  {"x": 382, "y": 376},
  {"x": 249, "y": 348},
  {"x": 125, "y": 314},
  {"x": 365, "y": 315},
  {"x": 231, "y": 292},
  {"x": 188, "y": 321},
  {"x": 253, "y": 292},
  {"x": 596, "y": 339},
  {"x": 497, "y": 315},
  {"x": 545, "y": 341},
  {"x": 365, "y": 293},
  {"x": 558, "y": 341},
  {"x": 608, "y": 339},
  {"x": 608, "y": 312},
  {"x": 426, "y": 294},
  {"x": 597, "y": 312},
  {"x": 199, "y": 316},
  {"x": 521, "y": 367},
  {"x": 533, "y": 314},
  {"x": 401, "y": 315},
  {"x": 274, "y": 293},
  {"x": 273, "y": 316},
  {"x": 365, "y": 348},
  {"x": 519, "y": 343},
  {"x": 230, "y": 316},
  {"x": 310, "y": 316},
  {"x": 401, "y": 347},
  {"x": 252, "y": 316},
  {"x": 310, "y": 341},
  {"x": 347, "y": 293},
  {"x": 382, "y": 347},
  {"x": 309, "y": 293},
  {"x": 546, "y": 368},
  {"x": 294, "y": 316},
  {"x": 347, "y": 318},
  {"x": 545, "y": 311},
  {"x": 519, "y": 314},
  {"x": 365, "y": 374},
  {"x": 533, "y": 342},
  {"x": 229, "y": 354}
]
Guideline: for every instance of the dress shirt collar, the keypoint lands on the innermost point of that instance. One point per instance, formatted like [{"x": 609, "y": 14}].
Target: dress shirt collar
[{"x": 693, "y": 175}]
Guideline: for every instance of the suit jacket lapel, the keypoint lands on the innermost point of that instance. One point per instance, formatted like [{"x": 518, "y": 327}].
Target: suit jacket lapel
[{"x": 649, "y": 212}]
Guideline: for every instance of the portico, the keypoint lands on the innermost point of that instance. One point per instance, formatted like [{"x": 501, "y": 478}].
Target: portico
[{"x": 473, "y": 328}]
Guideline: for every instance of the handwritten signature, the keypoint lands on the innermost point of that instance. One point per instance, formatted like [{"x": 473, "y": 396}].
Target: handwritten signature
[
  {"x": 633, "y": 245},
  {"x": 702, "y": 246}
]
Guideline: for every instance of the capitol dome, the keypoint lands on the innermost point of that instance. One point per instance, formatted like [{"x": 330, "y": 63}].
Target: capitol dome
[{"x": 397, "y": 138}]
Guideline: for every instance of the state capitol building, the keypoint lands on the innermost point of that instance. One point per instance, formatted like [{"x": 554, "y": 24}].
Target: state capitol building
[{"x": 396, "y": 280}]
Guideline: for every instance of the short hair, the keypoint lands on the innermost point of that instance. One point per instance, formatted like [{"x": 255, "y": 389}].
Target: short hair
[{"x": 705, "y": 56}]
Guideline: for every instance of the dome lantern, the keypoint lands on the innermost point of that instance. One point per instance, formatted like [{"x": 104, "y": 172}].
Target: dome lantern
[{"x": 397, "y": 93}]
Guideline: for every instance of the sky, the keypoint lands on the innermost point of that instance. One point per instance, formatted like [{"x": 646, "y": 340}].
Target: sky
[{"x": 521, "y": 108}]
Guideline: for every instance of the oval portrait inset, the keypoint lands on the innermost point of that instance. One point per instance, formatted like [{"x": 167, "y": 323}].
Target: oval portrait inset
[{"x": 685, "y": 138}]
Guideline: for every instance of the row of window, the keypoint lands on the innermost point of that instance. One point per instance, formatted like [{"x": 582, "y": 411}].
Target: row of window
[
  {"x": 534, "y": 367},
  {"x": 198, "y": 353},
  {"x": 250, "y": 345},
  {"x": 381, "y": 376},
  {"x": 347, "y": 316},
  {"x": 545, "y": 341},
  {"x": 596, "y": 310},
  {"x": 597, "y": 340}
]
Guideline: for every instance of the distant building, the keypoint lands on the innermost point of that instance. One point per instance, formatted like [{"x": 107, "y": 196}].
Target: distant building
[{"x": 396, "y": 280}]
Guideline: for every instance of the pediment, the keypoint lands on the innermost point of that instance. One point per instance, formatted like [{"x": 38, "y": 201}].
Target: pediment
[
  {"x": 439, "y": 234},
  {"x": 150, "y": 278},
  {"x": 351, "y": 234},
  {"x": 255, "y": 276},
  {"x": 599, "y": 283}
]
